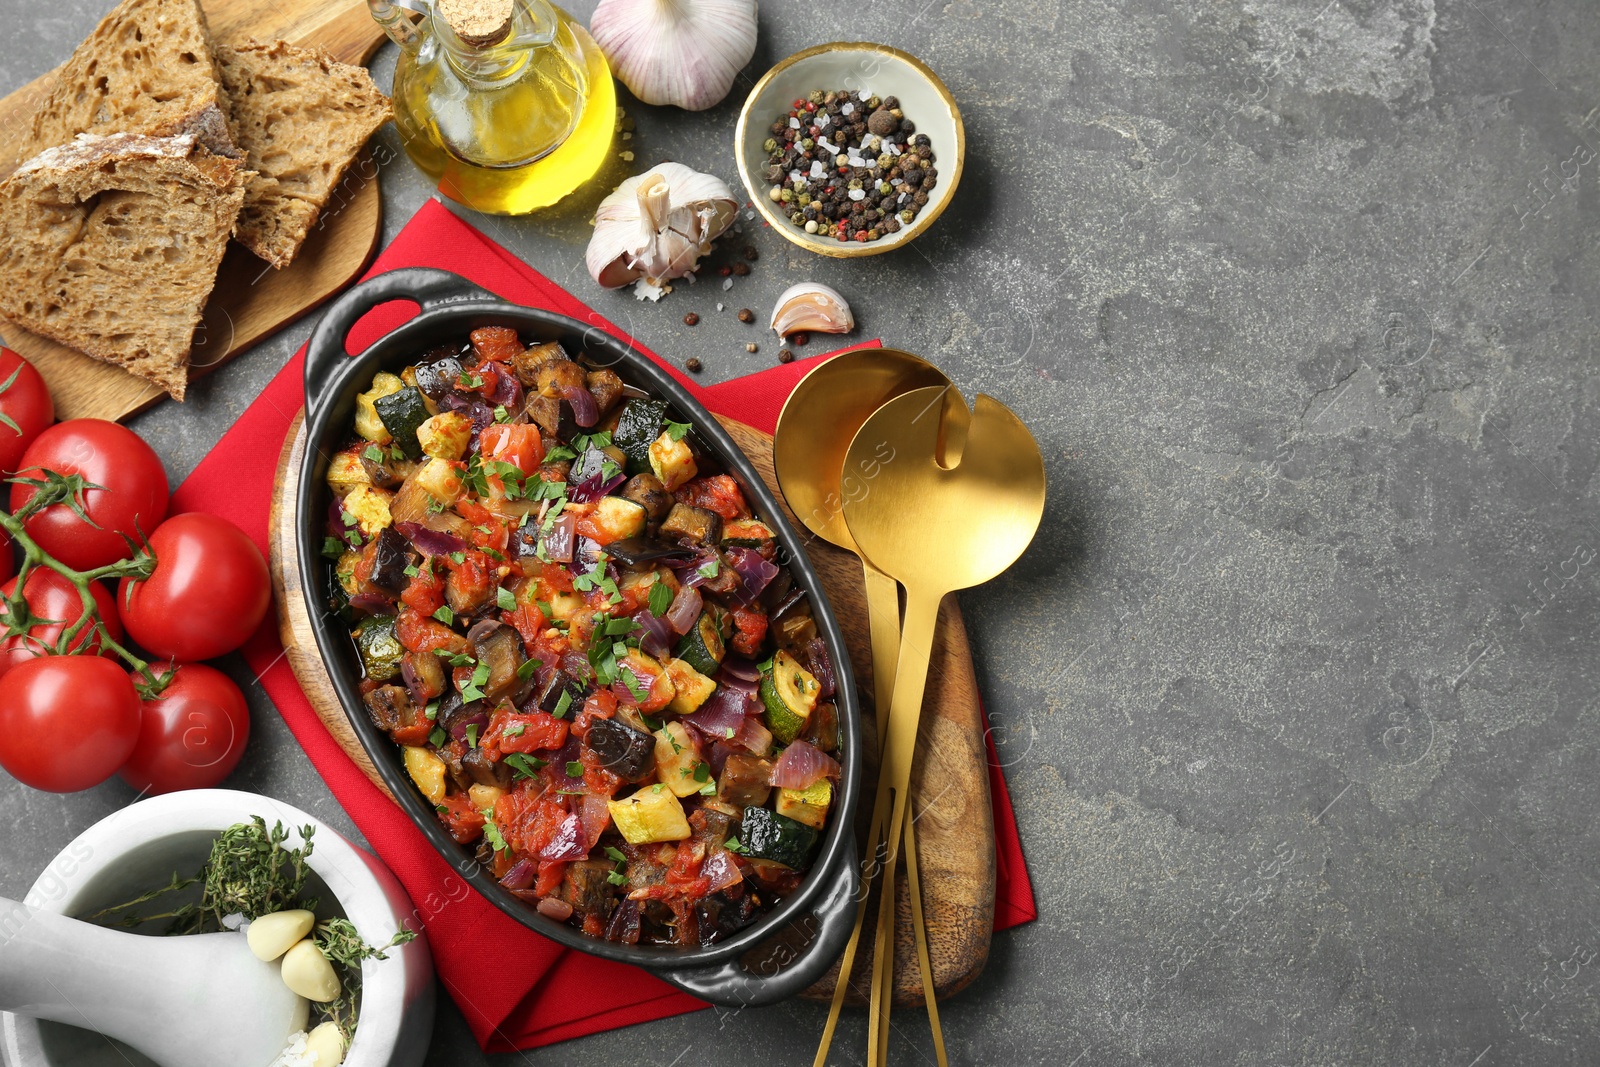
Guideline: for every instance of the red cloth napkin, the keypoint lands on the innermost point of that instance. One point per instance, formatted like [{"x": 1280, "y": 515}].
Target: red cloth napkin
[{"x": 517, "y": 990}]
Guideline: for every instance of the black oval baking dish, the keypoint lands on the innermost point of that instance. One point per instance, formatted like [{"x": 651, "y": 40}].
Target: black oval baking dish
[{"x": 825, "y": 904}]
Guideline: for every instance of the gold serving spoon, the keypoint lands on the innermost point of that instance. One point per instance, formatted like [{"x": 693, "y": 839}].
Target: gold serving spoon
[
  {"x": 814, "y": 431},
  {"x": 957, "y": 504}
]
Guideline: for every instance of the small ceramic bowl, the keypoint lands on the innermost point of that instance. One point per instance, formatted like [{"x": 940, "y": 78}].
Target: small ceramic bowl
[
  {"x": 139, "y": 847},
  {"x": 873, "y": 69}
]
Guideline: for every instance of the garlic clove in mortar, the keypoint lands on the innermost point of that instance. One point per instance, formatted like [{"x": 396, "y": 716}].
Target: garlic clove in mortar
[
  {"x": 270, "y": 936},
  {"x": 681, "y": 52},
  {"x": 325, "y": 1045},
  {"x": 307, "y": 972},
  {"x": 655, "y": 226},
  {"x": 813, "y": 308}
]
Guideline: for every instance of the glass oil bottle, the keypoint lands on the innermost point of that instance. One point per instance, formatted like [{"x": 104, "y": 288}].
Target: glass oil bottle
[{"x": 507, "y": 104}]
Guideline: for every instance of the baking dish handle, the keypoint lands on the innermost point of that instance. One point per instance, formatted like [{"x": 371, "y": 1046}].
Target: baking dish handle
[
  {"x": 427, "y": 287},
  {"x": 735, "y": 986}
]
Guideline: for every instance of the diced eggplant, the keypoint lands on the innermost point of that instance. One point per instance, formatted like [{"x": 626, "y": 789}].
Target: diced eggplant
[
  {"x": 647, "y": 491},
  {"x": 497, "y": 646},
  {"x": 391, "y": 557},
  {"x": 454, "y": 712},
  {"x": 439, "y": 377},
  {"x": 526, "y": 363},
  {"x": 716, "y": 916},
  {"x": 592, "y": 462},
  {"x": 587, "y": 887},
  {"x": 686, "y": 522},
  {"x": 380, "y": 648},
  {"x": 484, "y": 770},
  {"x": 402, "y": 412},
  {"x": 389, "y": 707},
  {"x": 746, "y": 781},
  {"x": 558, "y": 375},
  {"x": 635, "y": 551},
  {"x": 606, "y": 388},
  {"x": 382, "y": 468},
  {"x": 822, "y": 728},
  {"x": 548, "y": 696},
  {"x": 627, "y": 753},
  {"x": 546, "y": 414}
]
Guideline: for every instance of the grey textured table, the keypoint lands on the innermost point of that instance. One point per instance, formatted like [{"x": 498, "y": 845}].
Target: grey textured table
[{"x": 1297, "y": 687}]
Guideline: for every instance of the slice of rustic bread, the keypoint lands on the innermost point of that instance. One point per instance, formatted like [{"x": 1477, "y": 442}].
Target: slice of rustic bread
[
  {"x": 300, "y": 117},
  {"x": 112, "y": 246},
  {"x": 147, "y": 68}
]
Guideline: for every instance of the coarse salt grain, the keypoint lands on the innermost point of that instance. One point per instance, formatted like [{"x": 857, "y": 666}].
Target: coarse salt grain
[
  {"x": 294, "y": 1053},
  {"x": 855, "y": 160},
  {"x": 896, "y": 181},
  {"x": 817, "y": 169},
  {"x": 794, "y": 123},
  {"x": 795, "y": 176},
  {"x": 828, "y": 147},
  {"x": 823, "y": 120},
  {"x": 858, "y": 194},
  {"x": 727, "y": 283},
  {"x": 847, "y": 109},
  {"x": 721, "y": 306}
]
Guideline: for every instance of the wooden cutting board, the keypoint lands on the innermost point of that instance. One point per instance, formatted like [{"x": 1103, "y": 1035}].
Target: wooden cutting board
[
  {"x": 950, "y": 782},
  {"x": 251, "y": 299}
]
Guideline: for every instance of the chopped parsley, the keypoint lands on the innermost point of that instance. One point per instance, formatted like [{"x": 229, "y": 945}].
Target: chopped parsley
[
  {"x": 458, "y": 558},
  {"x": 677, "y": 430},
  {"x": 431, "y": 712},
  {"x": 660, "y": 599},
  {"x": 472, "y": 735},
  {"x": 516, "y": 729},
  {"x": 732, "y": 845},
  {"x": 332, "y": 547},
  {"x": 575, "y": 769},
  {"x": 445, "y": 615},
  {"x": 491, "y": 833},
  {"x": 640, "y": 691},
  {"x": 505, "y": 598},
  {"x": 438, "y": 737},
  {"x": 710, "y": 569},
  {"x": 473, "y": 690},
  {"x": 522, "y": 765},
  {"x": 563, "y": 704},
  {"x": 526, "y": 669},
  {"x": 375, "y": 454},
  {"x": 501, "y": 414}
]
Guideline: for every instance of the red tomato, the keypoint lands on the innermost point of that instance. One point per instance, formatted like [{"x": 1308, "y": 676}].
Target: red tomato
[
  {"x": 25, "y": 408},
  {"x": 51, "y": 596},
  {"x": 192, "y": 735},
  {"x": 209, "y": 592},
  {"x": 66, "y": 722},
  {"x": 519, "y": 445},
  {"x": 8, "y": 562},
  {"x": 132, "y": 500}
]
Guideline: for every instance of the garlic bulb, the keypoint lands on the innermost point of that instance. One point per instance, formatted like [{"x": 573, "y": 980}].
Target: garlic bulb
[
  {"x": 682, "y": 52},
  {"x": 656, "y": 226},
  {"x": 813, "y": 308}
]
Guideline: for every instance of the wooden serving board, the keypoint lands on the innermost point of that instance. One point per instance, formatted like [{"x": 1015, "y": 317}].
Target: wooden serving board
[
  {"x": 950, "y": 782},
  {"x": 251, "y": 299}
]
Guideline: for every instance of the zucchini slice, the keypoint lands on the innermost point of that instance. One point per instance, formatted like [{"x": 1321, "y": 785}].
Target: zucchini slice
[
  {"x": 767, "y": 835},
  {"x": 637, "y": 429},
  {"x": 809, "y": 806},
  {"x": 790, "y": 693},
  {"x": 380, "y": 648},
  {"x": 402, "y": 412},
  {"x": 702, "y": 647}
]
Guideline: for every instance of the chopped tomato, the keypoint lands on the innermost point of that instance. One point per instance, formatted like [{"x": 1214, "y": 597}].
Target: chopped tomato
[
  {"x": 458, "y": 816},
  {"x": 498, "y": 343},
  {"x": 415, "y": 734},
  {"x": 716, "y": 492},
  {"x": 425, "y": 592},
  {"x": 488, "y": 377},
  {"x": 470, "y": 585},
  {"x": 650, "y": 677},
  {"x": 418, "y": 633},
  {"x": 551, "y": 873},
  {"x": 597, "y": 779},
  {"x": 520, "y": 445},
  {"x": 512, "y": 731},
  {"x": 528, "y": 820},
  {"x": 557, "y": 576},
  {"x": 600, "y": 705},
  {"x": 750, "y": 630}
]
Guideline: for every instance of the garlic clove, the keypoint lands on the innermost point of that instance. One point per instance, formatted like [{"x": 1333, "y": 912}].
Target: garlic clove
[
  {"x": 811, "y": 307},
  {"x": 307, "y": 972},
  {"x": 325, "y": 1045},
  {"x": 270, "y": 936},
  {"x": 681, "y": 52},
  {"x": 656, "y": 226}
]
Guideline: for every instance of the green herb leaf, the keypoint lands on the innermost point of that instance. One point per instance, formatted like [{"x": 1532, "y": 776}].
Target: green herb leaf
[
  {"x": 445, "y": 615},
  {"x": 617, "y": 878},
  {"x": 472, "y": 735},
  {"x": 616, "y": 854},
  {"x": 473, "y": 690},
  {"x": 431, "y": 712},
  {"x": 332, "y": 547},
  {"x": 660, "y": 599},
  {"x": 575, "y": 769},
  {"x": 438, "y": 738},
  {"x": 562, "y": 704},
  {"x": 732, "y": 845},
  {"x": 640, "y": 692},
  {"x": 677, "y": 430},
  {"x": 516, "y": 729},
  {"x": 375, "y": 454},
  {"x": 458, "y": 558},
  {"x": 491, "y": 834},
  {"x": 523, "y": 765},
  {"x": 501, "y": 414},
  {"x": 526, "y": 668},
  {"x": 505, "y": 598},
  {"x": 710, "y": 569}
]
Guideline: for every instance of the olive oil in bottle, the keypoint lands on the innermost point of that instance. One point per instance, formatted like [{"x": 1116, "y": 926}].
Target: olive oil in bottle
[{"x": 507, "y": 104}]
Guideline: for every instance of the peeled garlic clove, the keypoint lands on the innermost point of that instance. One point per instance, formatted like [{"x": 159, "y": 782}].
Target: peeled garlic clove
[
  {"x": 325, "y": 1045},
  {"x": 813, "y": 308},
  {"x": 307, "y": 972},
  {"x": 681, "y": 52},
  {"x": 270, "y": 936},
  {"x": 657, "y": 225}
]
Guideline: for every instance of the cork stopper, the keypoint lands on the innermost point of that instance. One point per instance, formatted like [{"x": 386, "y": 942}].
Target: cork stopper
[{"x": 478, "y": 22}]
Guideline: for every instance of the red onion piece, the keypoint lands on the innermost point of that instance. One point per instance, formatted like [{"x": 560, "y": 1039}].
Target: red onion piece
[
  {"x": 655, "y": 635},
  {"x": 741, "y": 668},
  {"x": 567, "y": 844},
  {"x": 561, "y": 538},
  {"x": 685, "y": 609},
  {"x": 756, "y": 572},
  {"x": 724, "y": 710},
  {"x": 717, "y": 756},
  {"x": 689, "y": 571},
  {"x": 802, "y": 766},
  {"x": 521, "y": 875},
  {"x": 458, "y": 729},
  {"x": 552, "y": 908},
  {"x": 822, "y": 667},
  {"x": 507, "y": 390},
  {"x": 428, "y": 541},
  {"x": 753, "y": 737},
  {"x": 733, "y": 681},
  {"x": 594, "y": 487},
  {"x": 723, "y": 872},
  {"x": 594, "y": 815},
  {"x": 372, "y": 603},
  {"x": 413, "y": 683},
  {"x": 584, "y": 411}
]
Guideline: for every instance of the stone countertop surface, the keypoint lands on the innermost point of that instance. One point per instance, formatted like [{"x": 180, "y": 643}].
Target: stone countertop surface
[{"x": 1296, "y": 689}]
